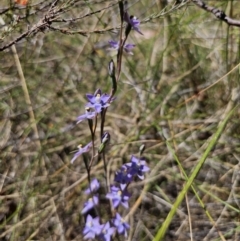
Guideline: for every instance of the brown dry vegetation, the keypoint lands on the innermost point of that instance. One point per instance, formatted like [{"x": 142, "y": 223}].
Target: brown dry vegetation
[{"x": 177, "y": 86}]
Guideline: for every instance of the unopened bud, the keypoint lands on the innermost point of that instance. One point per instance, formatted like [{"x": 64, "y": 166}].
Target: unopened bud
[
  {"x": 111, "y": 68},
  {"x": 105, "y": 137},
  {"x": 141, "y": 149},
  {"x": 105, "y": 141}
]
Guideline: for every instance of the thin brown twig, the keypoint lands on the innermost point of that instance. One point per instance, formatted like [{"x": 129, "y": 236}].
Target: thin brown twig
[
  {"x": 47, "y": 20},
  {"x": 218, "y": 13},
  {"x": 84, "y": 16}
]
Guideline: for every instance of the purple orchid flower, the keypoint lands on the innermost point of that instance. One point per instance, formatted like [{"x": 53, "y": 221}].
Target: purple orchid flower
[
  {"x": 91, "y": 202},
  {"x": 121, "y": 225},
  {"x": 81, "y": 150},
  {"x": 92, "y": 227},
  {"x": 137, "y": 167},
  {"x": 133, "y": 22},
  {"x": 88, "y": 115},
  {"x": 123, "y": 177},
  {"x": 98, "y": 101},
  {"x": 127, "y": 47},
  {"x": 106, "y": 232},
  {"x": 118, "y": 197},
  {"x": 94, "y": 186}
]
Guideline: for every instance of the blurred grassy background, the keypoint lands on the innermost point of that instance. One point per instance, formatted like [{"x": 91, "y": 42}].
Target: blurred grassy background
[{"x": 183, "y": 51}]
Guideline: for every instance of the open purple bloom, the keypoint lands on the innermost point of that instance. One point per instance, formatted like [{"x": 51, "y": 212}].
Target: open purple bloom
[
  {"x": 133, "y": 22},
  {"x": 121, "y": 225},
  {"x": 98, "y": 101},
  {"x": 92, "y": 227},
  {"x": 123, "y": 177},
  {"x": 106, "y": 232},
  {"x": 81, "y": 150},
  {"x": 94, "y": 186},
  {"x": 88, "y": 115},
  {"x": 91, "y": 202},
  {"x": 127, "y": 47},
  {"x": 118, "y": 197},
  {"x": 137, "y": 167}
]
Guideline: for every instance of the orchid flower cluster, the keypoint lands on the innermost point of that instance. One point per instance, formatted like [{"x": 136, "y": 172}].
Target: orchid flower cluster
[{"x": 118, "y": 194}]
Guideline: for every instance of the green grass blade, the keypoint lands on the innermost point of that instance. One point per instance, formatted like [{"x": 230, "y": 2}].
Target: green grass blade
[
  {"x": 161, "y": 232},
  {"x": 196, "y": 194}
]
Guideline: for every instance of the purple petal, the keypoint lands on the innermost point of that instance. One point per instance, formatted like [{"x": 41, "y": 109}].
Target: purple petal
[
  {"x": 105, "y": 98},
  {"x": 98, "y": 108},
  {"x": 98, "y": 92},
  {"x": 90, "y": 204},
  {"x": 81, "y": 151},
  {"x": 135, "y": 22},
  {"x": 87, "y": 147},
  {"x": 113, "y": 44},
  {"x": 76, "y": 155},
  {"x": 140, "y": 176},
  {"x": 94, "y": 186},
  {"x": 145, "y": 169},
  {"x": 81, "y": 118},
  {"x": 137, "y": 29},
  {"x": 90, "y": 97},
  {"x": 120, "y": 229},
  {"x": 88, "y": 115},
  {"x": 91, "y": 115},
  {"x": 89, "y": 235},
  {"x": 129, "y": 46},
  {"x": 134, "y": 159},
  {"x": 116, "y": 202}
]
